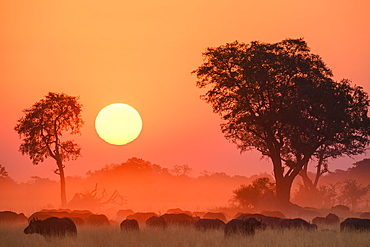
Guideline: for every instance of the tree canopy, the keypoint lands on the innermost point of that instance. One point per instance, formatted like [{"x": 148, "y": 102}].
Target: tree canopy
[
  {"x": 248, "y": 196},
  {"x": 281, "y": 99},
  {"x": 42, "y": 129}
]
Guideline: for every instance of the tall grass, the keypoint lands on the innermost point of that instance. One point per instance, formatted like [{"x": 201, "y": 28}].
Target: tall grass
[{"x": 181, "y": 237}]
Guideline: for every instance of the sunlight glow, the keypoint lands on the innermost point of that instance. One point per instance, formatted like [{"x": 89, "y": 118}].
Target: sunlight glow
[{"x": 118, "y": 124}]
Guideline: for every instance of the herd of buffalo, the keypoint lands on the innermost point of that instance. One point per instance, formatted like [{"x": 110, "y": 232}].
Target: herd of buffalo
[{"x": 64, "y": 222}]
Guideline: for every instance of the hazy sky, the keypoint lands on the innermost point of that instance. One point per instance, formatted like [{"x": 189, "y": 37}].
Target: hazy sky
[{"x": 141, "y": 53}]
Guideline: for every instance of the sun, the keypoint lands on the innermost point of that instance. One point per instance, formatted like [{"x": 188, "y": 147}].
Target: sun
[{"x": 118, "y": 124}]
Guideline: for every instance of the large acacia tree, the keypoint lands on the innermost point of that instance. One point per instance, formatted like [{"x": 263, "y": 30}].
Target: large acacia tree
[
  {"x": 42, "y": 129},
  {"x": 281, "y": 100}
]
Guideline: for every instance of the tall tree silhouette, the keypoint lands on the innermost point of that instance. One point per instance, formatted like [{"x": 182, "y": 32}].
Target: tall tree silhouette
[
  {"x": 281, "y": 100},
  {"x": 42, "y": 128}
]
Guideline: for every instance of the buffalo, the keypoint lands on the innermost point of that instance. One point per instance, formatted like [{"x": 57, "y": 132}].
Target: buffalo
[
  {"x": 79, "y": 217},
  {"x": 123, "y": 213},
  {"x": 277, "y": 214},
  {"x": 12, "y": 217},
  {"x": 330, "y": 219},
  {"x": 242, "y": 216},
  {"x": 180, "y": 219},
  {"x": 44, "y": 214},
  {"x": 199, "y": 213},
  {"x": 178, "y": 211},
  {"x": 129, "y": 225},
  {"x": 355, "y": 224},
  {"x": 211, "y": 215},
  {"x": 77, "y": 220},
  {"x": 141, "y": 217},
  {"x": 209, "y": 224},
  {"x": 156, "y": 222},
  {"x": 270, "y": 221},
  {"x": 319, "y": 221},
  {"x": 245, "y": 227},
  {"x": 365, "y": 215},
  {"x": 52, "y": 227},
  {"x": 267, "y": 221},
  {"x": 296, "y": 223},
  {"x": 98, "y": 220}
]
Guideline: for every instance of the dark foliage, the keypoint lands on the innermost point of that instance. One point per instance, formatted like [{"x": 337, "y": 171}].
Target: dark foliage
[
  {"x": 281, "y": 100},
  {"x": 42, "y": 129}
]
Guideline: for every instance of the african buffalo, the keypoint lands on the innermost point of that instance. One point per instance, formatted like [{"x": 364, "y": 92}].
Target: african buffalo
[
  {"x": 180, "y": 219},
  {"x": 44, "y": 214},
  {"x": 319, "y": 220},
  {"x": 199, "y": 213},
  {"x": 270, "y": 221},
  {"x": 355, "y": 224},
  {"x": 129, "y": 225},
  {"x": 365, "y": 215},
  {"x": 242, "y": 216},
  {"x": 12, "y": 217},
  {"x": 330, "y": 219},
  {"x": 123, "y": 213},
  {"x": 296, "y": 223},
  {"x": 156, "y": 221},
  {"x": 52, "y": 226},
  {"x": 267, "y": 221},
  {"x": 242, "y": 227},
  {"x": 178, "y": 211},
  {"x": 209, "y": 224},
  {"x": 141, "y": 217},
  {"x": 98, "y": 220},
  {"x": 277, "y": 214},
  {"x": 211, "y": 215},
  {"x": 77, "y": 220},
  {"x": 79, "y": 217}
]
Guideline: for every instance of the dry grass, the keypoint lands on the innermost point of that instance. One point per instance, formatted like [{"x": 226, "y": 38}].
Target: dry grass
[{"x": 181, "y": 237}]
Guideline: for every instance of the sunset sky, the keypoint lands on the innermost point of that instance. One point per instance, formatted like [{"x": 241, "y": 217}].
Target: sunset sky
[{"x": 142, "y": 53}]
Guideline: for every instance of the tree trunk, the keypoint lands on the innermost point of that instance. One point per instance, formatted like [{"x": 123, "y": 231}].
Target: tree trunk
[
  {"x": 307, "y": 182},
  {"x": 62, "y": 184},
  {"x": 283, "y": 184}
]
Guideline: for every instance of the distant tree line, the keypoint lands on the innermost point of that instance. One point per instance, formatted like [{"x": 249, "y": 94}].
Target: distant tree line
[{"x": 350, "y": 188}]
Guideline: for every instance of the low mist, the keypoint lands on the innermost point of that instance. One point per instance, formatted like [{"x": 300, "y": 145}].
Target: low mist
[{"x": 145, "y": 187}]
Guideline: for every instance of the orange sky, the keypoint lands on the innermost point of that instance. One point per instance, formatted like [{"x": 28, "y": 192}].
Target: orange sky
[{"x": 141, "y": 53}]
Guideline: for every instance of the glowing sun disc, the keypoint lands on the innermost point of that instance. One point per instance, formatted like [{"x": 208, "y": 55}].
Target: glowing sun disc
[{"x": 118, "y": 124}]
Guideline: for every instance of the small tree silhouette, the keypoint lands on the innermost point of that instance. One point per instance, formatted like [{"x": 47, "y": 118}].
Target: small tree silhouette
[
  {"x": 42, "y": 128},
  {"x": 352, "y": 193},
  {"x": 181, "y": 170},
  {"x": 248, "y": 196}
]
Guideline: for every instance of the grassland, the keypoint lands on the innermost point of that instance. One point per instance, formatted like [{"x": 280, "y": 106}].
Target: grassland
[{"x": 184, "y": 237}]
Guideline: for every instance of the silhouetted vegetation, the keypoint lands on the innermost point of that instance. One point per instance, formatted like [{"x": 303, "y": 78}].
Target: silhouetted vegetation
[
  {"x": 4, "y": 175},
  {"x": 181, "y": 170},
  {"x": 348, "y": 187},
  {"x": 143, "y": 186},
  {"x": 249, "y": 196},
  {"x": 3, "y": 172},
  {"x": 352, "y": 193},
  {"x": 95, "y": 199},
  {"x": 42, "y": 129},
  {"x": 281, "y": 100}
]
